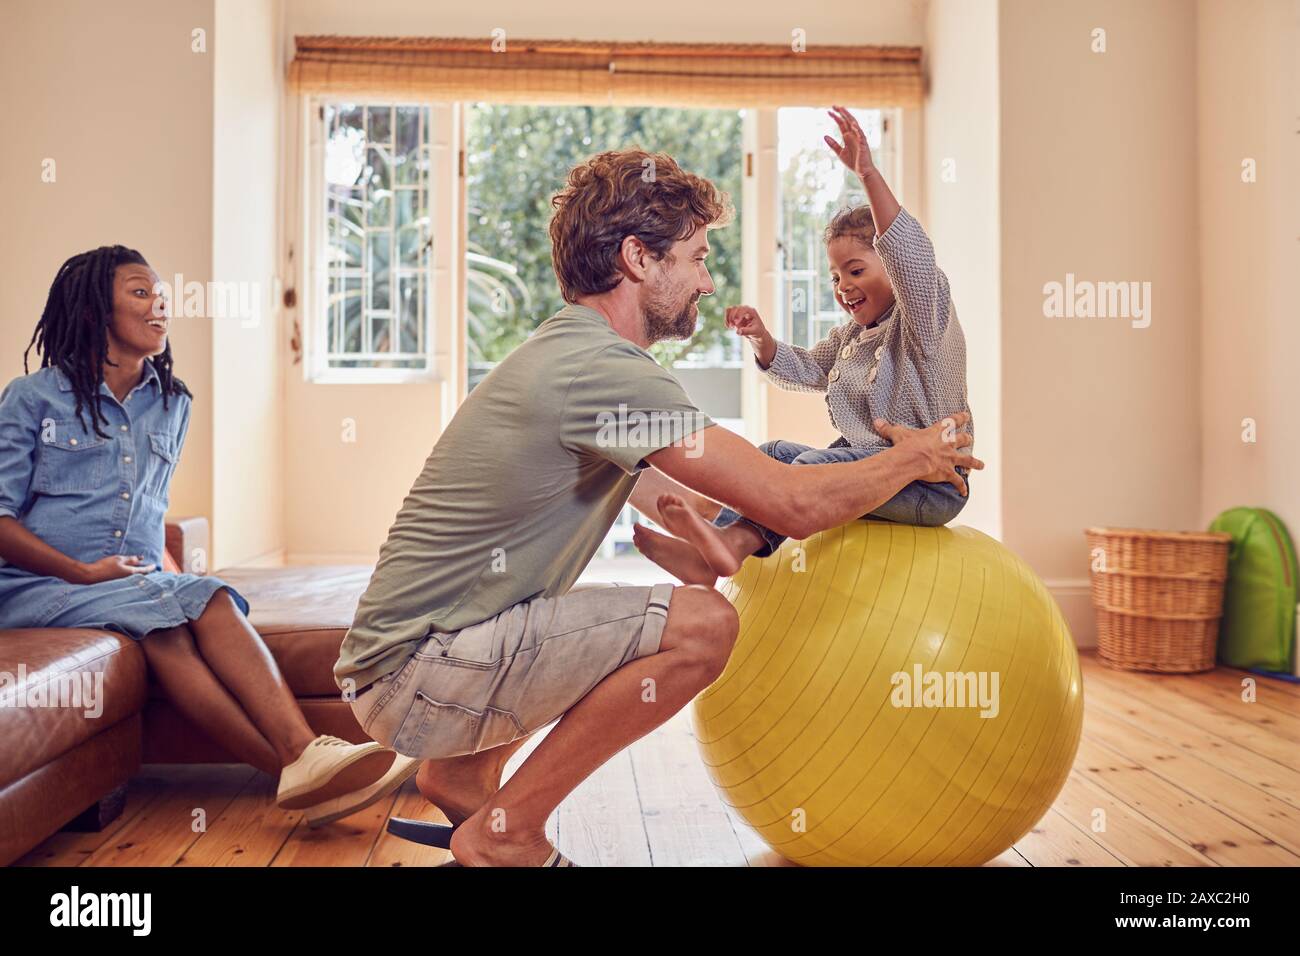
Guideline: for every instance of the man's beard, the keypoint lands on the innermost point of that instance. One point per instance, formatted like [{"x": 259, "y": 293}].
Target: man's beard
[{"x": 662, "y": 322}]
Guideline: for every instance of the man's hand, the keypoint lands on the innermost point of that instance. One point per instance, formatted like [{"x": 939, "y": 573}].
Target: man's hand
[
  {"x": 943, "y": 444},
  {"x": 110, "y": 568}
]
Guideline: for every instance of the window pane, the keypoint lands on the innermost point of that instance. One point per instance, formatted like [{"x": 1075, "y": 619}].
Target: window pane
[
  {"x": 345, "y": 236},
  {"x": 518, "y": 156},
  {"x": 376, "y": 187},
  {"x": 379, "y": 129},
  {"x": 352, "y": 313},
  {"x": 349, "y": 116},
  {"x": 407, "y": 207},
  {"x": 381, "y": 333},
  {"x": 411, "y": 159},
  {"x": 381, "y": 245},
  {"x": 409, "y": 313}
]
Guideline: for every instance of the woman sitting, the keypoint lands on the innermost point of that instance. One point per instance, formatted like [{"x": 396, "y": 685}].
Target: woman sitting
[{"x": 88, "y": 445}]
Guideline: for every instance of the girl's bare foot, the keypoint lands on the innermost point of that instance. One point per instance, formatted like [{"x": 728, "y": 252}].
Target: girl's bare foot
[
  {"x": 709, "y": 541},
  {"x": 679, "y": 558}
]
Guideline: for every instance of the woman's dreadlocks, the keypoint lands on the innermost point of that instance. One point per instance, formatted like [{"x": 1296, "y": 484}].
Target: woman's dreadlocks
[{"x": 72, "y": 334}]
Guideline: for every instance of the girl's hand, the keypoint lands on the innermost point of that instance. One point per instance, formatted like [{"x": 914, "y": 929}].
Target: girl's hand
[
  {"x": 113, "y": 567},
  {"x": 746, "y": 321},
  {"x": 749, "y": 325},
  {"x": 855, "y": 153}
]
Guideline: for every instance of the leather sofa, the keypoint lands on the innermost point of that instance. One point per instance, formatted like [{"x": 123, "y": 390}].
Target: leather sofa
[{"x": 60, "y": 767}]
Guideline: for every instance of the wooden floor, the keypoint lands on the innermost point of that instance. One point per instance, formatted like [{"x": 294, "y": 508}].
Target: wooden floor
[{"x": 1187, "y": 774}]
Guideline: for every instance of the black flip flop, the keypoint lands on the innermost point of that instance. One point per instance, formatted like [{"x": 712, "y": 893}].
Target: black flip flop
[{"x": 422, "y": 832}]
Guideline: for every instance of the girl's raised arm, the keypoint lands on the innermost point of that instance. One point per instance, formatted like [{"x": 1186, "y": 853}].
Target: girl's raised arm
[
  {"x": 920, "y": 287},
  {"x": 856, "y": 154}
]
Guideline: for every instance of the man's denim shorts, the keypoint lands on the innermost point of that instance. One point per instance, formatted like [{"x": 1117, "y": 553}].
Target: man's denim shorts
[{"x": 494, "y": 682}]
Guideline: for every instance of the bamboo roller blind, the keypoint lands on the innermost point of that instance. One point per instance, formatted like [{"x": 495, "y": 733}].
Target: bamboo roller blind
[{"x": 728, "y": 76}]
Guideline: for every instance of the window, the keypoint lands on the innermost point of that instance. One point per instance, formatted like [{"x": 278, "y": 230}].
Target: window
[
  {"x": 813, "y": 186},
  {"x": 374, "y": 168}
]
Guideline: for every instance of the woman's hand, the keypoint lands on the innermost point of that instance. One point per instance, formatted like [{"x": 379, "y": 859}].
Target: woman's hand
[
  {"x": 748, "y": 324},
  {"x": 944, "y": 445},
  {"x": 112, "y": 567},
  {"x": 855, "y": 153}
]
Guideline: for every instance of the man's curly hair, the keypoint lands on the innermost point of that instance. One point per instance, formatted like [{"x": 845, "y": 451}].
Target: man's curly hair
[{"x": 624, "y": 193}]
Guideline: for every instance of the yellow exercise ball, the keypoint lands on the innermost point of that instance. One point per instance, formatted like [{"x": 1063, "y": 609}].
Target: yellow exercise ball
[{"x": 898, "y": 696}]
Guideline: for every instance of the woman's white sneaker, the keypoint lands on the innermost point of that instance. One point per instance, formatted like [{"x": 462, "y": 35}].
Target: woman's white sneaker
[
  {"x": 403, "y": 769},
  {"x": 329, "y": 768}
]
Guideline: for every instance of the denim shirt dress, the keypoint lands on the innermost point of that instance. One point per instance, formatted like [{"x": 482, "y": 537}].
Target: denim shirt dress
[{"x": 90, "y": 497}]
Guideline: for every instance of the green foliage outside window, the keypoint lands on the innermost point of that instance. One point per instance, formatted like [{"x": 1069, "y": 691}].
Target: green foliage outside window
[{"x": 517, "y": 158}]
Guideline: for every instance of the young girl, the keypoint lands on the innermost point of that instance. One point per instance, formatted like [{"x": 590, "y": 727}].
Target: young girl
[
  {"x": 88, "y": 445},
  {"x": 901, "y": 358}
]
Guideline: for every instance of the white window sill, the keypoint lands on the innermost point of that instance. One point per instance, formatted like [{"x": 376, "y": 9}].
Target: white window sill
[{"x": 375, "y": 376}]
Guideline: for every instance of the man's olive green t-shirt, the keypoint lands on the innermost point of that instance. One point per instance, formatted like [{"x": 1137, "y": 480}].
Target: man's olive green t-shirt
[{"x": 520, "y": 489}]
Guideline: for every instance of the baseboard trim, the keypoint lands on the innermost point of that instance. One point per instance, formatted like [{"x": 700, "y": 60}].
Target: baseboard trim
[
  {"x": 1074, "y": 596},
  {"x": 336, "y": 557},
  {"x": 271, "y": 559}
]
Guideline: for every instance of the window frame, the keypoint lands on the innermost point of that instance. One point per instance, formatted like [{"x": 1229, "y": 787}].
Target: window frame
[{"x": 443, "y": 136}]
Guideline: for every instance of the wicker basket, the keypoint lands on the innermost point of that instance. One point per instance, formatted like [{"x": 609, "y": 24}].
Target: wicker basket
[{"x": 1158, "y": 596}]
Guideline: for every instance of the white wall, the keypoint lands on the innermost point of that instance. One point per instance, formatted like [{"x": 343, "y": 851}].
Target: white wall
[
  {"x": 1070, "y": 161},
  {"x": 124, "y": 108},
  {"x": 963, "y": 217},
  {"x": 758, "y": 21},
  {"x": 1248, "y": 92},
  {"x": 172, "y": 151},
  {"x": 1098, "y": 179},
  {"x": 247, "y": 358}
]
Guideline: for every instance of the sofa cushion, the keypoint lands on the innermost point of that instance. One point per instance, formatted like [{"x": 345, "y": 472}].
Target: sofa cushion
[
  {"x": 59, "y": 665},
  {"x": 302, "y": 613}
]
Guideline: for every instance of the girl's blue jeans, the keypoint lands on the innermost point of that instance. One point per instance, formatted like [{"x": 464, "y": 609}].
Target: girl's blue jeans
[{"x": 921, "y": 502}]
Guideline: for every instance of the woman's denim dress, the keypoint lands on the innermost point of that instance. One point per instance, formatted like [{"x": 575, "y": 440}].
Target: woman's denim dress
[{"x": 91, "y": 497}]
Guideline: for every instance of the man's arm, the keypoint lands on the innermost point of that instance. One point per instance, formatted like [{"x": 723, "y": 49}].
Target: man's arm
[{"x": 800, "y": 500}]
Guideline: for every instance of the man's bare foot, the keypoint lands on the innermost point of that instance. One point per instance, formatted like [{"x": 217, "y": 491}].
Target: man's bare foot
[
  {"x": 709, "y": 542},
  {"x": 679, "y": 558},
  {"x": 460, "y": 785},
  {"x": 486, "y": 839}
]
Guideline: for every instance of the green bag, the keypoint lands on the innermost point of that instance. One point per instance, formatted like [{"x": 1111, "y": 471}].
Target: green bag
[{"x": 1258, "y": 629}]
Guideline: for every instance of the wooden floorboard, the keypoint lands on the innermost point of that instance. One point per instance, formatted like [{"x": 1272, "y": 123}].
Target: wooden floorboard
[
  {"x": 1126, "y": 834},
  {"x": 250, "y": 831},
  {"x": 1262, "y": 772},
  {"x": 1172, "y": 770},
  {"x": 161, "y": 833}
]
